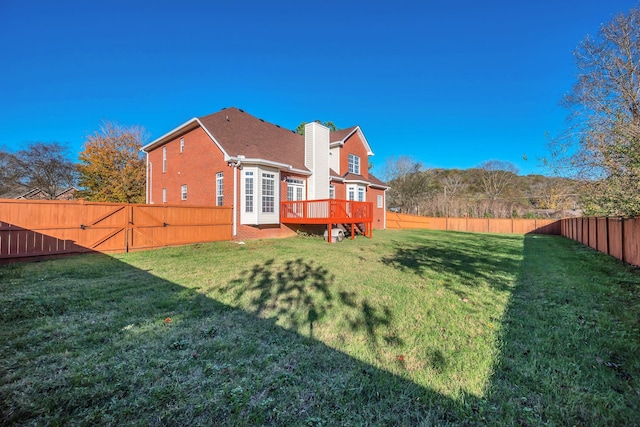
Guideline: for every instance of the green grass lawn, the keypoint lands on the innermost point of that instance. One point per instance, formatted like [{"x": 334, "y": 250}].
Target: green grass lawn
[{"x": 409, "y": 328}]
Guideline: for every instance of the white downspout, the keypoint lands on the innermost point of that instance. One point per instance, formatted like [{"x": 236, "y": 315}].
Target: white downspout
[
  {"x": 235, "y": 200},
  {"x": 384, "y": 209},
  {"x": 149, "y": 180},
  {"x": 235, "y": 163}
]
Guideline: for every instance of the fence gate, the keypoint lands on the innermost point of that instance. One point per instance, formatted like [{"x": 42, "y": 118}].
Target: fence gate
[{"x": 39, "y": 228}]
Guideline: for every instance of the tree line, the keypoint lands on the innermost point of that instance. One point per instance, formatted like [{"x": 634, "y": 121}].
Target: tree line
[{"x": 492, "y": 189}]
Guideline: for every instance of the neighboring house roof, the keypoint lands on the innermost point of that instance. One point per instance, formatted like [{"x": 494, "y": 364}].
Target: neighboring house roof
[
  {"x": 23, "y": 192},
  {"x": 20, "y": 192}
]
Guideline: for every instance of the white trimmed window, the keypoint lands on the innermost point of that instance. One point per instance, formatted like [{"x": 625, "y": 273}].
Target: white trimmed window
[
  {"x": 351, "y": 192},
  {"x": 219, "y": 189},
  {"x": 181, "y": 145},
  {"x": 380, "y": 200},
  {"x": 164, "y": 159},
  {"x": 356, "y": 192},
  {"x": 332, "y": 191},
  {"x": 354, "y": 164},
  {"x": 260, "y": 194},
  {"x": 164, "y": 195},
  {"x": 248, "y": 191},
  {"x": 268, "y": 192},
  {"x": 184, "y": 192}
]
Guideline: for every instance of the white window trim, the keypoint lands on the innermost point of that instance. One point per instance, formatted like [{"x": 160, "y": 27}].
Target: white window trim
[
  {"x": 183, "y": 192},
  {"x": 380, "y": 201},
  {"x": 219, "y": 189},
  {"x": 267, "y": 201},
  {"x": 356, "y": 190},
  {"x": 164, "y": 159},
  {"x": 164, "y": 195},
  {"x": 354, "y": 164},
  {"x": 258, "y": 217},
  {"x": 181, "y": 145}
]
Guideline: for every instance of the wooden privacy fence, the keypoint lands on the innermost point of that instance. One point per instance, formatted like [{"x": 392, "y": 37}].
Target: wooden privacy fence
[
  {"x": 475, "y": 225},
  {"x": 38, "y": 228},
  {"x": 617, "y": 237}
]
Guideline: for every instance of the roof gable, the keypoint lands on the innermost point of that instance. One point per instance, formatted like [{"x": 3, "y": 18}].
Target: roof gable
[
  {"x": 237, "y": 133},
  {"x": 340, "y": 137}
]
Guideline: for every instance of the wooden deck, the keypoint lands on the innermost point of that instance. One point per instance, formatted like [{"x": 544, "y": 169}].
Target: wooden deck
[{"x": 330, "y": 212}]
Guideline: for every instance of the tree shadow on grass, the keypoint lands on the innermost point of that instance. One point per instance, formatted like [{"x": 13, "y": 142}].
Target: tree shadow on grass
[
  {"x": 301, "y": 294},
  {"x": 92, "y": 340},
  {"x": 462, "y": 259}
]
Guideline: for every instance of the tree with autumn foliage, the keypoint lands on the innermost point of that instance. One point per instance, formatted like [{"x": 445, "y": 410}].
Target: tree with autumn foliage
[{"x": 111, "y": 166}]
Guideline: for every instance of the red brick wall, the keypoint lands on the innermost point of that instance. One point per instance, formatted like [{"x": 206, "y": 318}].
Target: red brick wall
[
  {"x": 354, "y": 145},
  {"x": 196, "y": 167},
  {"x": 341, "y": 190},
  {"x": 378, "y": 213}
]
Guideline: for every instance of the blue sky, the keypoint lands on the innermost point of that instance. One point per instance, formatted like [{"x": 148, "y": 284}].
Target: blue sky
[{"x": 450, "y": 84}]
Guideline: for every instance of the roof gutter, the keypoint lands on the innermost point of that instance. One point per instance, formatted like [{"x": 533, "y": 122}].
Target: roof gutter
[
  {"x": 161, "y": 140},
  {"x": 263, "y": 162}
]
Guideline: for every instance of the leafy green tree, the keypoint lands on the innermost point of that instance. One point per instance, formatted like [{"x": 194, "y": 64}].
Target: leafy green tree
[
  {"x": 332, "y": 127},
  {"x": 112, "y": 168},
  {"x": 601, "y": 147}
]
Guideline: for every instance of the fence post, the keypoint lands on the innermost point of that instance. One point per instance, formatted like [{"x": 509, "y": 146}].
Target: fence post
[
  {"x": 607, "y": 234},
  {"x": 622, "y": 233}
]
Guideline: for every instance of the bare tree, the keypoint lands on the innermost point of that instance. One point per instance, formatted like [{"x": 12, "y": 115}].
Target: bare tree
[
  {"x": 496, "y": 177},
  {"x": 46, "y": 166},
  {"x": 452, "y": 186},
  {"x": 408, "y": 183},
  {"x": 602, "y": 144},
  {"x": 9, "y": 171}
]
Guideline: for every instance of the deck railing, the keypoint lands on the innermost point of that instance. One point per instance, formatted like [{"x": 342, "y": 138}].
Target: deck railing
[{"x": 326, "y": 211}]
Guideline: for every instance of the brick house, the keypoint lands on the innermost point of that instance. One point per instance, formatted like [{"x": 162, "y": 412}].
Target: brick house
[{"x": 276, "y": 180}]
